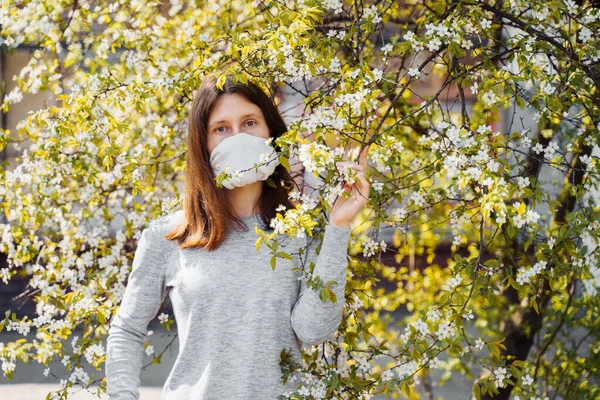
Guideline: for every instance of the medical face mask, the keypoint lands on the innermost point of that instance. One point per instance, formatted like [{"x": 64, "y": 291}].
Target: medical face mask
[{"x": 241, "y": 152}]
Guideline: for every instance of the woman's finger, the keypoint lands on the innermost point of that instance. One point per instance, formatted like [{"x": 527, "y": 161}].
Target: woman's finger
[
  {"x": 357, "y": 167},
  {"x": 348, "y": 163},
  {"x": 362, "y": 185}
]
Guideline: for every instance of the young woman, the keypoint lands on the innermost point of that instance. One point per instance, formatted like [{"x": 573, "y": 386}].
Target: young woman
[{"x": 234, "y": 313}]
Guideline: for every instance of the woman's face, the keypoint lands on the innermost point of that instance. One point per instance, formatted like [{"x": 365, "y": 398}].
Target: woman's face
[{"x": 233, "y": 114}]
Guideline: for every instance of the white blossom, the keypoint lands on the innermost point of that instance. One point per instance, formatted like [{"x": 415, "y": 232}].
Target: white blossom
[
  {"x": 149, "y": 350},
  {"x": 479, "y": 343},
  {"x": 527, "y": 380},
  {"x": 446, "y": 330},
  {"x": 490, "y": 98},
  {"x": 387, "y": 48},
  {"x": 414, "y": 72},
  {"x": 163, "y": 318},
  {"x": 501, "y": 374}
]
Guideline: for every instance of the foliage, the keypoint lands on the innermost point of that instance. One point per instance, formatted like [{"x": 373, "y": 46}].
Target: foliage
[{"x": 513, "y": 205}]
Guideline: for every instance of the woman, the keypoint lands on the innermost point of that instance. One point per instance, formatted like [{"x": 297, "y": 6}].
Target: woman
[{"x": 234, "y": 313}]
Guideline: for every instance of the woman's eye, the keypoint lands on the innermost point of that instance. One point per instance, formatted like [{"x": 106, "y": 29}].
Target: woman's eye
[
  {"x": 254, "y": 122},
  {"x": 217, "y": 129}
]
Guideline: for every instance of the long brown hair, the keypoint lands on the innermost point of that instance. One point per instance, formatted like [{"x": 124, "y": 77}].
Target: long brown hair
[{"x": 208, "y": 215}]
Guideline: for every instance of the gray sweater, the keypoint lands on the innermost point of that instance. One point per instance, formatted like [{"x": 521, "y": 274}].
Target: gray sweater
[{"x": 234, "y": 314}]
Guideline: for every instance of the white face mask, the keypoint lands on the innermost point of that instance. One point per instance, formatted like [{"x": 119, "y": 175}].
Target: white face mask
[{"x": 240, "y": 152}]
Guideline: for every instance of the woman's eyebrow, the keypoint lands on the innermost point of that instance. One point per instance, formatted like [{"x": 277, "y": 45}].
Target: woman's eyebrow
[{"x": 241, "y": 117}]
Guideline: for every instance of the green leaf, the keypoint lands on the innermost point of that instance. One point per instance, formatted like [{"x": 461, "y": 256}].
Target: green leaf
[
  {"x": 495, "y": 349},
  {"x": 283, "y": 160},
  {"x": 273, "y": 261},
  {"x": 101, "y": 317},
  {"x": 404, "y": 47},
  {"x": 271, "y": 183},
  {"x": 510, "y": 230},
  {"x": 515, "y": 371},
  {"x": 323, "y": 295},
  {"x": 520, "y": 102},
  {"x": 258, "y": 242},
  {"x": 285, "y": 255},
  {"x": 533, "y": 304},
  {"x": 477, "y": 390},
  {"x": 484, "y": 386},
  {"x": 221, "y": 80},
  {"x": 327, "y": 294}
]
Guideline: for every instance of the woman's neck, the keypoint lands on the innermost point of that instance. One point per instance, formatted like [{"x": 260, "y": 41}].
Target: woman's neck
[{"x": 244, "y": 199}]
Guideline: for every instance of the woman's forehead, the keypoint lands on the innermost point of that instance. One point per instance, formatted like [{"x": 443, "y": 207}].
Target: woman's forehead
[{"x": 233, "y": 107}]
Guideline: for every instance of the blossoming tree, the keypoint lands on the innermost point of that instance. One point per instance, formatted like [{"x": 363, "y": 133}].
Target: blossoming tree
[{"x": 515, "y": 308}]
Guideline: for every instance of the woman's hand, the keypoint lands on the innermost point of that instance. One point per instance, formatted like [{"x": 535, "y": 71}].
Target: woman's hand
[{"x": 344, "y": 210}]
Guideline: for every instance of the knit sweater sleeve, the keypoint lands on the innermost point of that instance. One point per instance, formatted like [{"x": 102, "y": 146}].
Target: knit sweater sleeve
[
  {"x": 313, "y": 319},
  {"x": 129, "y": 325}
]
